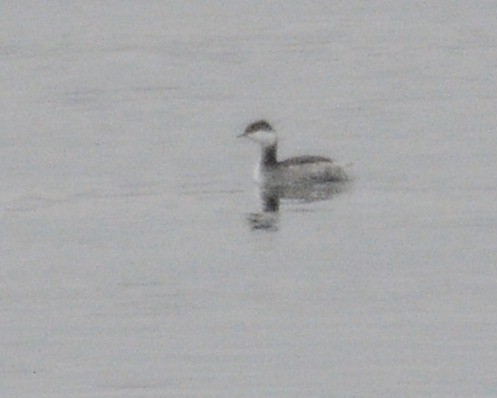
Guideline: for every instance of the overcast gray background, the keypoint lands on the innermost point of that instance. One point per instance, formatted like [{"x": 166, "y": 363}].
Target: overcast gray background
[{"x": 127, "y": 266}]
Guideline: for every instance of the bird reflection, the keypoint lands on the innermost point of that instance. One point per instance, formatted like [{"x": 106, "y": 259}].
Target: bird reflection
[{"x": 270, "y": 196}]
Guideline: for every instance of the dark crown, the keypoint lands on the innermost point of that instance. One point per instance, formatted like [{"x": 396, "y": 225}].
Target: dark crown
[{"x": 259, "y": 125}]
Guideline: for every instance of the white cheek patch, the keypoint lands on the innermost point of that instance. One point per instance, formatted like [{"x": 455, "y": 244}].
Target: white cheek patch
[{"x": 264, "y": 137}]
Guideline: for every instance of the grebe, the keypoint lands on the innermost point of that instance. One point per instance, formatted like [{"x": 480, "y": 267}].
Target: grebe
[{"x": 302, "y": 169}]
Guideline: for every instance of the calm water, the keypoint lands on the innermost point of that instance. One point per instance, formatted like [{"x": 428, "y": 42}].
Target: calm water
[{"x": 129, "y": 265}]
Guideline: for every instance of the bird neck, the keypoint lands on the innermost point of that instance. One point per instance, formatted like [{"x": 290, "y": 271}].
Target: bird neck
[{"x": 268, "y": 157}]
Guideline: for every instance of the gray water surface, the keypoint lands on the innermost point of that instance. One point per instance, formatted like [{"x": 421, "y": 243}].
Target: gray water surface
[{"x": 129, "y": 264}]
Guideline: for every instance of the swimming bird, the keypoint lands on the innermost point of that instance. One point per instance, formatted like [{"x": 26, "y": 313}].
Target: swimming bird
[{"x": 302, "y": 169}]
